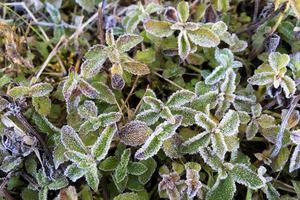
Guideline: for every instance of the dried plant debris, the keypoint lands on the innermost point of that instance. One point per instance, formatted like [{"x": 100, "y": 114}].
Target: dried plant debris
[{"x": 149, "y": 100}]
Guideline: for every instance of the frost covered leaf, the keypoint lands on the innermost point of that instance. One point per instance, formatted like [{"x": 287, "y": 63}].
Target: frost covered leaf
[
  {"x": 219, "y": 145},
  {"x": 18, "y": 91},
  {"x": 42, "y": 105},
  {"x": 222, "y": 189},
  {"x": 3, "y": 104},
  {"x": 134, "y": 133},
  {"x": 167, "y": 114},
  {"x": 87, "y": 109},
  {"x": 217, "y": 75},
  {"x": 58, "y": 183},
  {"x": 102, "y": 145},
  {"x": 127, "y": 196},
  {"x": 188, "y": 115},
  {"x": 109, "y": 164},
  {"x": 136, "y": 68},
  {"x": 295, "y": 136},
  {"x": 263, "y": 78},
  {"x": 211, "y": 159},
  {"x": 295, "y": 160},
  {"x": 88, "y": 5},
  {"x": 251, "y": 130},
  {"x": 40, "y": 89},
  {"x": 69, "y": 86},
  {"x": 106, "y": 119},
  {"x": 204, "y": 37},
  {"x": 289, "y": 86},
  {"x": 151, "y": 167},
  {"x": 184, "y": 46},
  {"x": 81, "y": 160},
  {"x": 128, "y": 41},
  {"x": 158, "y": 28},
  {"x": 245, "y": 176},
  {"x": 148, "y": 116},
  {"x": 171, "y": 146},
  {"x": 266, "y": 121},
  {"x": 194, "y": 144},
  {"x": 155, "y": 103},
  {"x": 180, "y": 98},
  {"x": 92, "y": 177},
  {"x": 278, "y": 61},
  {"x": 121, "y": 170},
  {"x": 204, "y": 121},
  {"x": 271, "y": 192},
  {"x": 71, "y": 140},
  {"x": 155, "y": 141},
  {"x": 280, "y": 160},
  {"x": 136, "y": 168},
  {"x": 230, "y": 123},
  {"x": 88, "y": 90},
  {"x": 105, "y": 92},
  {"x": 183, "y": 11},
  {"x": 9, "y": 163},
  {"x": 58, "y": 154},
  {"x": 94, "y": 60}
]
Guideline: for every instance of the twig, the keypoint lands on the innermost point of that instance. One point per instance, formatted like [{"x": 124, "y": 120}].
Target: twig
[
  {"x": 283, "y": 125},
  {"x": 256, "y": 6},
  {"x": 169, "y": 81},
  {"x": 100, "y": 23},
  {"x": 131, "y": 92},
  {"x": 48, "y": 24}
]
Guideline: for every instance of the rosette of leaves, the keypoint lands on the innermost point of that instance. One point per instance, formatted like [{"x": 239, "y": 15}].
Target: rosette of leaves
[
  {"x": 257, "y": 120},
  {"x": 222, "y": 134},
  {"x": 162, "y": 132},
  {"x": 175, "y": 105},
  {"x": 226, "y": 61},
  {"x": 273, "y": 74},
  {"x": 38, "y": 92},
  {"x": 125, "y": 173},
  {"x": 138, "y": 13},
  {"x": 115, "y": 51},
  {"x": 84, "y": 159},
  {"x": 171, "y": 186},
  {"x": 88, "y": 111},
  {"x": 190, "y": 33},
  {"x": 237, "y": 171},
  {"x": 75, "y": 83}
]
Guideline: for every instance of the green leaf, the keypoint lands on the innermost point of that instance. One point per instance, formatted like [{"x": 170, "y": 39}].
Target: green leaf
[
  {"x": 93, "y": 178},
  {"x": 127, "y": 196},
  {"x": 71, "y": 140},
  {"x": 148, "y": 116},
  {"x": 58, "y": 154},
  {"x": 42, "y": 105},
  {"x": 128, "y": 41},
  {"x": 204, "y": 37},
  {"x": 296, "y": 185},
  {"x": 121, "y": 171},
  {"x": 43, "y": 194},
  {"x": 81, "y": 160},
  {"x": 251, "y": 130},
  {"x": 219, "y": 145},
  {"x": 102, "y": 145},
  {"x": 88, "y": 90},
  {"x": 69, "y": 86},
  {"x": 109, "y": 164},
  {"x": 271, "y": 192},
  {"x": 245, "y": 176},
  {"x": 222, "y": 189},
  {"x": 188, "y": 115},
  {"x": 105, "y": 92},
  {"x": 229, "y": 125},
  {"x": 153, "y": 102},
  {"x": 211, "y": 159},
  {"x": 280, "y": 160},
  {"x": 180, "y": 98},
  {"x": 74, "y": 173},
  {"x": 18, "y": 92},
  {"x": 151, "y": 167},
  {"x": 40, "y": 89},
  {"x": 184, "y": 47},
  {"x": 204, "y": 121},
  {"x": 133, "y": 184},
  {"x": 87, "y": 110},
  {"x": 158, "y": 28},
  {"x": 295, "y": 159},
  {"x": 278, "y": 61},
  {"x": 194, "y": 144},
  {"x": 263, "y": 78},
  {"x": 58, "y": 183},
  {"x": 88, "y": 5},
  {"x": 289, "y": 86},
  {"x": 136, "y": 68},
  {"x": 94, "y": 60},
  {"x": 216, "y": 75},
  {"x": 136, "y": 168},
  {"x": 9, "y": 163},
  {"x": 183, "y": 11}
]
